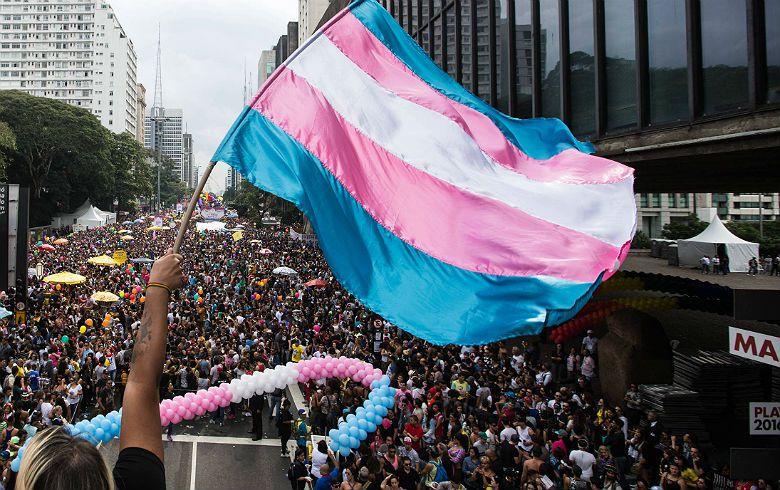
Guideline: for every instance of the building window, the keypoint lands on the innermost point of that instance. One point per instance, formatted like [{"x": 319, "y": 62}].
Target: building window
[
  {"x": 581, "y": 68},
  {"x": 772, "y": 29},
  {"x": 668, "y": 61},
  {"x": 620, "y": 52},
  {"x": 724, "y": 55},
  {"x": 550, "y": 46},
  {"x": 524, "y": 63}
]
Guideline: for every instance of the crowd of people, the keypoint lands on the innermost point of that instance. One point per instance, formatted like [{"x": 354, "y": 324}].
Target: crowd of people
[{"x": 515, "y": 414}]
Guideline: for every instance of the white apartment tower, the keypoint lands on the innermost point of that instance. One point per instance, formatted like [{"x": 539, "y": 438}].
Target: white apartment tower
[
  {"x": 310, "y": 13},
  {"x": 75, "y": 51},
  {"x": 187, "y": 157},
  {"x": 163, "y": 130}
]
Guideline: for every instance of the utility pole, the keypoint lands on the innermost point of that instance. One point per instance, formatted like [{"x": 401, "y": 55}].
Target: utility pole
[{"x": 761, "y": 215}]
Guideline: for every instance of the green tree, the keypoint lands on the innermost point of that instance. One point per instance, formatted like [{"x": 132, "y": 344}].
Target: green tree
[
  {"x": 254, "y": 203},
  {"x": 685, "y": 228},
  {"x": 132, "y": 172},
  {"x": 7, "y": 143},
  {"x": 62, "y": 153}
]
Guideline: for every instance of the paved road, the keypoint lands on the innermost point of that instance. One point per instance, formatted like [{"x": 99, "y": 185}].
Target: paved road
[
  {"x": 645, "y": 263},
  {"x": 219, "y": 462},
  {"x": 204, "y": 455}
]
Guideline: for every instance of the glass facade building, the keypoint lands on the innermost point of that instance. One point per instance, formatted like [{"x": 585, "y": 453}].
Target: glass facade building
[{"x": 606, "y": 67}]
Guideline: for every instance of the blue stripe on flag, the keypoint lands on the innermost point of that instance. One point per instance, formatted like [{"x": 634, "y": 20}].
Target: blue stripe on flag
[
  {"x": 422, "y": 295},
  {"x": 538, "y": 138}
]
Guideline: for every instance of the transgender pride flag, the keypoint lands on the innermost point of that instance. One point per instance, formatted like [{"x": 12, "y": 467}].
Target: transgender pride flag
[{"x": 452, "y": 220}]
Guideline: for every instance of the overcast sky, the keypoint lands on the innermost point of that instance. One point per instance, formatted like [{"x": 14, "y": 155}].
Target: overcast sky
[{"x": 204, "y": 45}]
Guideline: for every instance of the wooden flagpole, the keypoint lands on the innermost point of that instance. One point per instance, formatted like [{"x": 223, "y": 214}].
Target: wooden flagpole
[{"x": 185, "y": 220}]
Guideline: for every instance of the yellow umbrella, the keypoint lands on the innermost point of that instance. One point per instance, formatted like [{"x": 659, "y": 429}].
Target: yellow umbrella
[
  {"x": 125, "y": 231},
  {"x": 61, "y": 241},
  {"x": 105, "y": 297},
  {"x": 157, "y": 228},
  {"x": 126, "y": 238},
  {"x": 102, "y": 260},
  {"x": 65, "y": 278}
]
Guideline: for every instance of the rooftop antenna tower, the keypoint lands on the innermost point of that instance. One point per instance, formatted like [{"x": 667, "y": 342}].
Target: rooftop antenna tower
[
  {"x": 158, "y": 116},
  {"x": 158, "y": 91}
]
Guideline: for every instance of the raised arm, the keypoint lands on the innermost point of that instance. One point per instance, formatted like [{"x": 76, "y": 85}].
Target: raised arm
[{"x": 141, "y": 412}]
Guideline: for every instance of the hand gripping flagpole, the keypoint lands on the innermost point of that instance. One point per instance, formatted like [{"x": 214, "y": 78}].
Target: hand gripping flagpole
[{"x": 185, "y": 220}]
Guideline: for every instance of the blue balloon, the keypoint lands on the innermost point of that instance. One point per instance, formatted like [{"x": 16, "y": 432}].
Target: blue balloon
[
  {"x": 344, "y": 440},
  {"x": 334, "y": 446},
  {"x": 333, "y": 433},
  {"x": 381, "y": 411},
  {"x": 359, "y": 412},
  {"x": 350, "y": 417},
  {"x": 384, "y": 381},
  {"x": 370, "y": 413},
  {"x": 105, "y": 424},
  {"x": 115, "y": 428},
  {"x": 354, "y": 431},
  {"x": 363, "y": 424},
  {"x": 371, "y": 426},
  {"x": 378, "y": 419},
  {"x": 374, "y": 385},
  {"x": 367, "y": 404},
  {"x": 15, "y": 464},
  {"x": 344, "y": 451},
  {"x": 89, "y": 428},
  {"x": 107, "y": 436},
  {"x": 354, "y": 443},
  {"x": 99, "y": 433},
  {"x": 362, "y": 434}
]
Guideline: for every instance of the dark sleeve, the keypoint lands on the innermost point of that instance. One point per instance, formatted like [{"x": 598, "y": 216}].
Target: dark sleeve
[{"x": 139, "y": 469}]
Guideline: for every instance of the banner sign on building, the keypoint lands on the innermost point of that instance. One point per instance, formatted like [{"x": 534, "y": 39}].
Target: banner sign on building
[
  {"x": 764, "y": 418},
  {"x": 4, "y": 245},
  {"x": 756, "y": 346}
]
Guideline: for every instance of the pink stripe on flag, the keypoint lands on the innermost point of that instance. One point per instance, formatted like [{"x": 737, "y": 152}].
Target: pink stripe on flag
[
  {"x": 375, "y": 59},
  {"x": 462, "y": 229}
]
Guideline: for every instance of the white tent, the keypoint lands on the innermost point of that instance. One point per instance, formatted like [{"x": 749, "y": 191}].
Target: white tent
[
  {"x": 739, "y": 251},
  {"x": 70, "y": 219},
  {"x": 209, "y": 226},
  {"x": 90, "y": 219}
]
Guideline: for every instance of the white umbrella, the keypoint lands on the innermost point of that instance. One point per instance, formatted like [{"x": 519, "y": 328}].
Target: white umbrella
[{"x": 285, "y": 271}]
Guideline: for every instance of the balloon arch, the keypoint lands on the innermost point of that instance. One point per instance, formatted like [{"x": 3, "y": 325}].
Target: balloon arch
[{"x": 350, "y": 433}]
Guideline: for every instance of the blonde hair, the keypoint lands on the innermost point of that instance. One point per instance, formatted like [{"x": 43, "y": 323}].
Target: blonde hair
[{"x": 55, "y": 460}]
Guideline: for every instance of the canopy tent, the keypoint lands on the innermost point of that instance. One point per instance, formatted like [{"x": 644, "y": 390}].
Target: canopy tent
[
  {"x": 739, "y": 251},
  {"x": 85, "y": 216},
  {"x": 90, "y": 219},
  {"x": 105, "y": 297},
  {"x": 209, "y": 226},
  {"x": 103, "y": 260}
]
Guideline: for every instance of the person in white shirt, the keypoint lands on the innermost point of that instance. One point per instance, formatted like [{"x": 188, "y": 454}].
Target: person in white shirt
[
  {"x": 507, "y": 433},
  {"x": 590, "y": 343},
  {"x": 319, "y": 456},
  {"x": 582, "y": 458},
  {"x": 46, "y": 407}
]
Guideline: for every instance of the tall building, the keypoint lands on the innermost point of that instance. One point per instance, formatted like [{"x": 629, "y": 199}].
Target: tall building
[
  {"x": 75, "y": 51},
  {"x": 265, "y": 66},
  {"x": 686, "y": 92},
  {"x": 233, "y": 178},
  {"x": 187, "y": 159},
  {"x": 309, "y": 14},
  {"x": 163, "y": 132},
  {"x": 140, "y": 111}
]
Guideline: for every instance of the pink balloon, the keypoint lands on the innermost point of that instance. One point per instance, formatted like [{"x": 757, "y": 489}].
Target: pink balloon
[
  {"x": 164, "y": 421},
  {"x": 170, "y": 413},
  {"x": 192, "y": 406},
  {"x": 225, "y": 387},
  {"x": 207, "y": 395},
  {"x": 176, "y": 418},
  {"x": 200, "y": 410},
  {"x": 188, "y": 415},
  {"x": 189, "y": 395},
  {"x": 181, "y": 409},
  {"x": 316, "y": 328},
  {"x": 212, "y": 406}
]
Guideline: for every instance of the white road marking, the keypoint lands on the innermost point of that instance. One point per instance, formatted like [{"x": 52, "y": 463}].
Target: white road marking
[
  {"x": 236, "y": 441},
  {"x": 297, "y": 398},
  {"x": 194, "y": 464}
]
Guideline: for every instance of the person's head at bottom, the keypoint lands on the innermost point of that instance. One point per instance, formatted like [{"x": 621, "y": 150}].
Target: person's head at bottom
[{"x": 55, "y": 460}]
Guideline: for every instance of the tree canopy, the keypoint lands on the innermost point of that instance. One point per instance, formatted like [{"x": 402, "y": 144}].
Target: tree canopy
[
  {"x": 66, "y": 156},
  {"x": 254, "y": 203}
]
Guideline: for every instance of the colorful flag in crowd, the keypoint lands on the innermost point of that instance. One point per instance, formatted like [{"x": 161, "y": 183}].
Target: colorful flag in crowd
[{"x": 450, "y": 219}]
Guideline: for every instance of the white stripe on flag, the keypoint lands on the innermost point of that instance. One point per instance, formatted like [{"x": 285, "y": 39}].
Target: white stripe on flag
[{"x": 435, "y": 144}]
